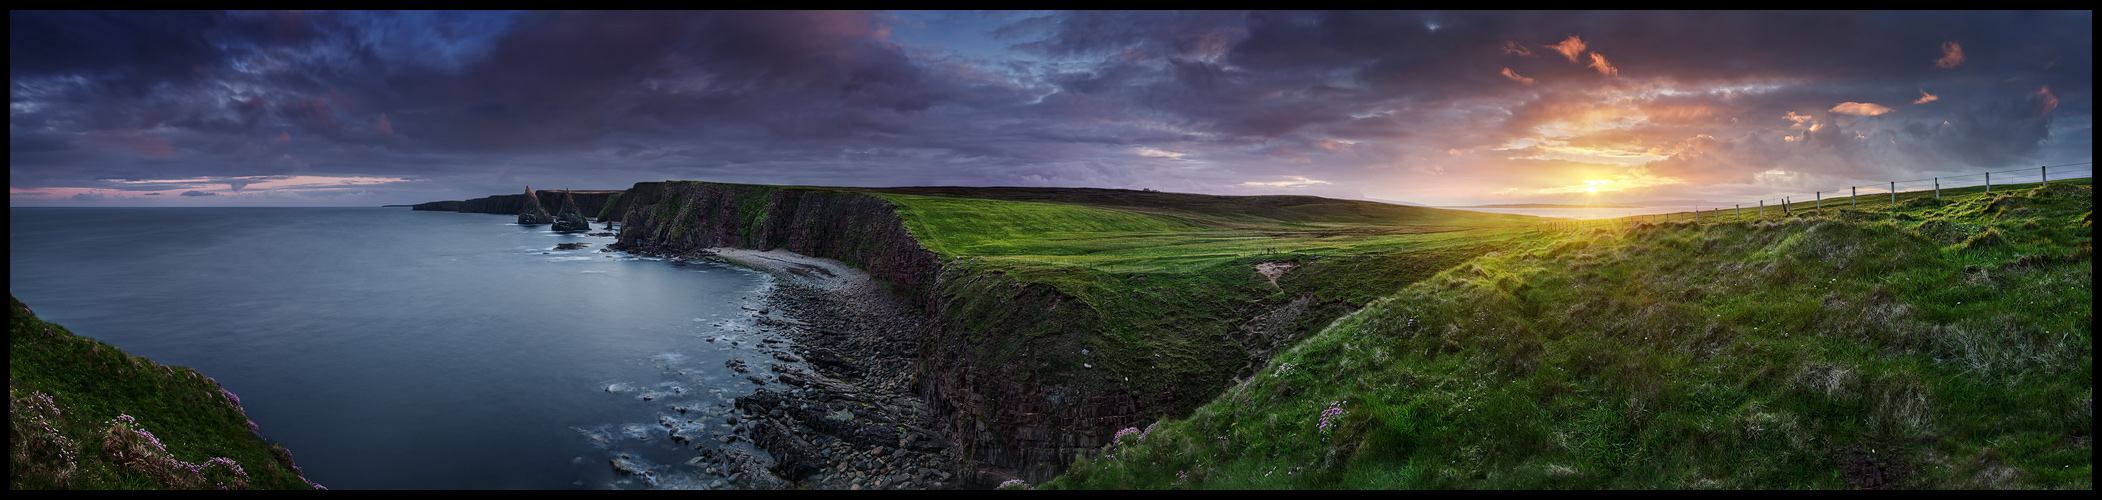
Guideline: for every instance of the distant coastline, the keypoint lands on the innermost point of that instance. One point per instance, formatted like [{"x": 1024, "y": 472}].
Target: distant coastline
[{"x": 1543, "y": 205}]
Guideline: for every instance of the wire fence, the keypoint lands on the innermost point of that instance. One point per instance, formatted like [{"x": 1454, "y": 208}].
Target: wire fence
[{"x": 1887, "y": 196}]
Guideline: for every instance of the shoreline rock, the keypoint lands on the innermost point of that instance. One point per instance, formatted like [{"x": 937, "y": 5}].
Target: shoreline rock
[{"x": 843, "y": 413}]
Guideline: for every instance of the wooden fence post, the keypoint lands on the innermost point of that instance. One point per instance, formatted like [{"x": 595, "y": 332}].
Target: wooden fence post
[
  {"x": 2044, "y": 172},
  {"x": 1820, "y": 206},
  {"x": 1988, "y": 183},
  {"x": 1937, "y": 189},
  {"x": 1854, "y": 196},
  {"x": 1893, "y": 194}
]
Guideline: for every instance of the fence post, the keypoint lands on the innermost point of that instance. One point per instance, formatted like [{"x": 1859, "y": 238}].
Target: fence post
[
  {"x": 1937, "y": 189},
  {"x": 1988, "y": 183},
  {"x": 1762, "y": 209},
  {"x": 1854, "y": 196},
  {"x": 1820, "y": 206},
  {"x": 1740, "y": 212},
  {"x": 2044, "y": 172},
  {"x": 1893, "y": 195}
]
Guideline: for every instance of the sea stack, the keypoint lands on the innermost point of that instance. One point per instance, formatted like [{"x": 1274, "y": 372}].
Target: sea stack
[
  {"x": 532, "y": 213},
  {"x": 567, "y": 217}
]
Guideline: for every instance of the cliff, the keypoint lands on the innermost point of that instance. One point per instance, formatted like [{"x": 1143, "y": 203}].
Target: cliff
[
  {"x": 87, "y": 415},
  {"x": 588, "y": 202},
  {"x": 1004, "y": 367}
]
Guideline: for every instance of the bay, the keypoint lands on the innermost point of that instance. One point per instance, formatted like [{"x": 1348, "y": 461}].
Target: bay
[{"x": 390, "y": 348}]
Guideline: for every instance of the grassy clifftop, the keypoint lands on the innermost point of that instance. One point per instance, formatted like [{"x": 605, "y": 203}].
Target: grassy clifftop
[
  {"x": 85, "y": 415},
  {"x": 1932, "y": 344},
  {"x": 1175, "y": 296}
]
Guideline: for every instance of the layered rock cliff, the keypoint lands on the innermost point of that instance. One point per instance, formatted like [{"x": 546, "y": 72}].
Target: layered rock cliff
[
  {"x": 1000, "y": 366},
  {"x": 588, "y": 202}
]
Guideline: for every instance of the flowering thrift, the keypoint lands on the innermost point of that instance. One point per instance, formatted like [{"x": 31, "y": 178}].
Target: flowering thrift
[
  {"x": 1331, "y": 417},
  {"x": 43, "y": 411},
  {"x": 1014, "y": 483},
  {"x": 134, "y": 446},
  {"x": 1128, "y": 431}
]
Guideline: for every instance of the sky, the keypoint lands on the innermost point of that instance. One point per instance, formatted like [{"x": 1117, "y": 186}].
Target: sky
[{"x": 1441, "y": 108}]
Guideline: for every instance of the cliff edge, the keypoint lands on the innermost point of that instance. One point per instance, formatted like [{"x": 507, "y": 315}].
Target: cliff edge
[{"x": 83, "y": 414}]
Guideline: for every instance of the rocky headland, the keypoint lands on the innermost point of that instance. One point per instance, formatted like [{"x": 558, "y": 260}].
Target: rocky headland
[{"x": 898, "y": 368}]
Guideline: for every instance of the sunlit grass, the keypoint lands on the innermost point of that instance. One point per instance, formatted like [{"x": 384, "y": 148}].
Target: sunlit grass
[{"x": 1933, "y": 344}]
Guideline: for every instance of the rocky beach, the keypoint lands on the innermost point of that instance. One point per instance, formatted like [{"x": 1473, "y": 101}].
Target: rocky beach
[{"x": 837, "y": 407}]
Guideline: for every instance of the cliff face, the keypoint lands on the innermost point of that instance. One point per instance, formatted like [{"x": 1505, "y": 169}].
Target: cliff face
[
  {"x": 1001, "y": 369},
  {"x": 588, "y": 202},
  {"x": 849, "y": 227},
  {"x": 438, "y": 206}
]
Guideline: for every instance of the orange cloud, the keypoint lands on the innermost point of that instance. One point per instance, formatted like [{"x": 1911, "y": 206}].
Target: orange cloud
[
  {"x": 1569, "y": 48},
  {"x": 1514, "y": 77},
  {"x": 1604, "y": 68},
  {"x": 2050, "y": 101},
  {"x": 1515, "y": 48},
  {"x": 1859, "y": 108},
  {"x": 1926, "y": 97},
  {"x": 1951, "y": 55}
]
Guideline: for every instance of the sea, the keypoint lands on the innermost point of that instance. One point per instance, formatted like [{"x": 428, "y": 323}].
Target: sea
[{"x": 398, "y": 349}]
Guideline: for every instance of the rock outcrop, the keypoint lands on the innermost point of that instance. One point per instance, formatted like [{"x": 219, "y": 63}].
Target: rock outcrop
[
  {"x": 438, "y": 206},
  {"x": 996, "y": 369},
  {"x": 532, "y": 213},
  {"x": 568, "y": 218},
  {"x": 588, "y": 202}
]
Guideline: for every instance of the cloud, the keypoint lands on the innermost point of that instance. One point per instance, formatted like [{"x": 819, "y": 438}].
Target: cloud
[
  {"x": 1569, "y": 48},
  {"x": 1516, "y": 48},
  {"x": 1951, "y": 55},
  {"x": 1859, "y": 108},
  {"x": 1514, "y": 77},
  {"x": 1926, "y": 97},
  {"x": 469, "y": 104},
  {"x": 2050, "y": 102},
  {"x": 199, "y": 193},
  {"x": 1604, "y": 68}
]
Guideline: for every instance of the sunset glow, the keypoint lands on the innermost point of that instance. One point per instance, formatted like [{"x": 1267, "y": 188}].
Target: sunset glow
[{"x": 1487, "y": 107}]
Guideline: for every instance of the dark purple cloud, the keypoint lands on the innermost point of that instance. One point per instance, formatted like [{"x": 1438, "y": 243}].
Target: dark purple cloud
[{"x": 1443, "y": 107}]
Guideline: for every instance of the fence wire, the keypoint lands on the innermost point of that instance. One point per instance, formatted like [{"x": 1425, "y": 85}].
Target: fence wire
[{"x": 1887, "y": 195}]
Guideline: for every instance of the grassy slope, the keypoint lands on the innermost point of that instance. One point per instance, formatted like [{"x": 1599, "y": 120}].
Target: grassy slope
[
  {"x": 1165, "y": 274},
  {"x": 66, "y": 391},
  {"x": 1931, "y": 344}
]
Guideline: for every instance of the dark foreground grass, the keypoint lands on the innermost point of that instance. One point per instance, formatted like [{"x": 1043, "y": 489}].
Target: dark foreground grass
[
  {"x": 83, "y": 414},
  {"x": 1932, "y": 344}
]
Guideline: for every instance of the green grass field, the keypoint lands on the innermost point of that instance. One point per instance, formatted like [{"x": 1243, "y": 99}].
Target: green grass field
[
  {"x": 83, "y": 414},
  {"x": 1164, "y": 275},
  {"x": 1922, "y": 344}
]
